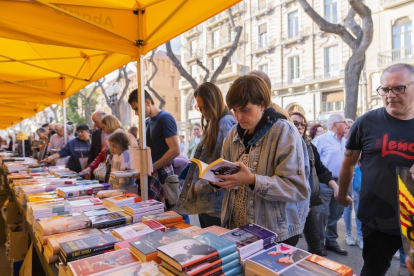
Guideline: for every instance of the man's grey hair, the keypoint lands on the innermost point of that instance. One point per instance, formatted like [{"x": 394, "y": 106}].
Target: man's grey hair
[
  {"x": 333, "y": 119},
  {"x": 99, "y": 114},
  {"x": 398, "y": 66},
  {"x": 349, "y": 121},
  {"x": 263, "y": 76}
]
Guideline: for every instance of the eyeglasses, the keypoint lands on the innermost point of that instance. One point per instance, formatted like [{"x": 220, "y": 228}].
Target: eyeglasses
[
  {"x": 297, "y": 124},
  {"x": 397, "y": 90},
  {"x": 344, "y": 122}
]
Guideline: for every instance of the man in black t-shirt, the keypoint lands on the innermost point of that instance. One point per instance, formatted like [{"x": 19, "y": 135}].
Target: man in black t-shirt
[{"x": 385, "y": 137}]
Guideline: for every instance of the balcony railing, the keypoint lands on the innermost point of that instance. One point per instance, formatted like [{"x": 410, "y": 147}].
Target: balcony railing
[
  {"x": 392, "y": 3},
  {"x": 293, "y": 36},
  {"x": 259, "y": 7},
  {"x": 193, "y": 54},
  {"x": 395, "y": 56}
]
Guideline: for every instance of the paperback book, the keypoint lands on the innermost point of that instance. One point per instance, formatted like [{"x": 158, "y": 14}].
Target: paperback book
[
  {"x": 343, "y": 270},
  {"x": 217, "y": 167},
  {"x": 121, "y": 200},
  {"x": 111, "y": 261},
  {"x": 143, "y": 207},
  {"x": 109, "y": 219},
  {"x": 275, "y": 260},
  {"x": 165, "y": 218},
  {"x": 63, "y": 224},
  {"x": 53, "y": 241},
  {"x": 147, "y": 268},
  {"x": 133, "y": 230}
]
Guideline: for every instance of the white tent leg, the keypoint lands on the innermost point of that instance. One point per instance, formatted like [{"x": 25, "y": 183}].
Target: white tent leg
[
  {"x": 64, "y": 121},
  {"x": 142, "y": 132}
]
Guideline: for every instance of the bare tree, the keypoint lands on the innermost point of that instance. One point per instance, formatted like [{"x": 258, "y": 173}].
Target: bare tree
[
  {"x": 224, "y": 60},
  {"x": 55, "y": 109},
  {"x": 148, "y": 84},
  {"x": 89, "y": 105},
  {"x": 357, "y": 37},
  {"x": 116, "y": 103}
]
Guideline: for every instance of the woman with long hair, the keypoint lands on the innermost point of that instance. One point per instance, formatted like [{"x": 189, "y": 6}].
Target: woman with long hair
[
  {"x": 316, "y": 130},
  {"x": 271, "y": 189},
  {"x": 197, "y": 196}
]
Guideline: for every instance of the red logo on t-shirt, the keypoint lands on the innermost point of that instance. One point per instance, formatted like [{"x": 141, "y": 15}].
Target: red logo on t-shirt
[{"x": 401, "y": 148}]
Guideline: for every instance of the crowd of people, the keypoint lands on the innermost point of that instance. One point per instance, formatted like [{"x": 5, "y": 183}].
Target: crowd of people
[{"x": 294, "y": 178}]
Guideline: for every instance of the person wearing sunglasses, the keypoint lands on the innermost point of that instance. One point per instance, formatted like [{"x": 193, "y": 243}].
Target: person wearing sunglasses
[
  {"x": 381, "y": 135},
  {"x": 319, "y": 174}
]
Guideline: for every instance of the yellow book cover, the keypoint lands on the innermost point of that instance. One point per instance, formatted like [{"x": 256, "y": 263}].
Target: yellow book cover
[{"x": 217, "y": 167}]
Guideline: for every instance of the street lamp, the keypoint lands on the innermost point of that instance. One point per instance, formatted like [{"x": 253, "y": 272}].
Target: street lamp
[{"x": 113, "y": 92}]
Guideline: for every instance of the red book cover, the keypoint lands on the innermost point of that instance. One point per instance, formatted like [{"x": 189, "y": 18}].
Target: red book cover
[
  {"x": 102, "y": 262},
  {"x": 343, "y": 270}
]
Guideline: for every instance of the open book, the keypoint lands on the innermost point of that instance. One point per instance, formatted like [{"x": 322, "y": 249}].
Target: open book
[{"x": 217, "y": 167}]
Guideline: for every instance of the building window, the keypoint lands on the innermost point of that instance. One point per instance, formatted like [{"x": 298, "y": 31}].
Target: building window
[
  {"x": 333, "y": 101},
  {"x": 193, "y": 46},
  {"x": 294, "y": 69},
  {"x": 332, "y": 61},
  {"x": 172, "y": 81},
  {"x": 194, "y": 70},
  {"x": 331, "y": 14},
  {"x": 293, "y": 24},
  {"x": 215, "y": 39},
  {"x": 401, "y": 39},
  {"x": 264, "y": 68},
  {"x": 263, "y": 35},
  {"x": 215, "y": 63},
  {"x": 261, "y": 4},
  {"x": 176, "y": 103}
]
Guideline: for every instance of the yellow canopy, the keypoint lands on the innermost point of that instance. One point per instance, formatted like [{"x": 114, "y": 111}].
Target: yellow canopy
[{"x": 49, "y": 50}]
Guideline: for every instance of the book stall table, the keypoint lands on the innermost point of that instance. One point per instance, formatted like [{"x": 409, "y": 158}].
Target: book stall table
[
  {"x": 49, "y": 269},
  {"x": 90, "y": 229}
]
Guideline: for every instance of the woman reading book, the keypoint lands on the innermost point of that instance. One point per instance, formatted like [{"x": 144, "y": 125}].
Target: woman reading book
[
  {"x": 276, "y": 194},
  {"x": 197, "y": 196}
]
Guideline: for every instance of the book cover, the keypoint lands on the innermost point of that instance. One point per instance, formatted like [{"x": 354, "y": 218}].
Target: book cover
[
  {"x": 85, "y": 246},
  {"x": 187, "y": 253},
  {"x": 63, "y": 224},
  {"x": 211, "y": 229},
  {"x": 306, "y": 268},
  {"x": 262, "y": 233},
  {"x": 223, "y": 246},
  {"x": 217, "y": 167},
  {"x": 343, "y": 270},
  {"x": 126, "y": 243},
  {"x": 165, "y": 218},
  {"x": 146, "y": 246},
  {"x": 49, "y": 257},
  {"x": 138, "y": 217},
  {"x": 130, "y": 231},
  {"x": 110, "y": 193},
  {"x": 102, "y": 262},
  {"x": 226, "y": 269},
  {"x": 121, "y": 200},
  {"x": 142, "y": 207},
  {"x": 108, "y": 220},
  {"x": 96, "y": 212},
  {"x": 135, "y": 269},
  {"x": 246, "y": 242},
  {"x": 53, "y": 241},
  {"x": 275, "y": 259},
  {"x": 155, "y": 225}
]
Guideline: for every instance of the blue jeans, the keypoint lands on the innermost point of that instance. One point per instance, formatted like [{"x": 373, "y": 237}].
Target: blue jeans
[
  {"x": 328, "y": 215},
  {"x": 348, "y": 219},
  {"x": 402, "y": 257}
]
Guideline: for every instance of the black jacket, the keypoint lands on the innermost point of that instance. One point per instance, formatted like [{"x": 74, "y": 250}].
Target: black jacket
[{"x": 96, "y": 145}]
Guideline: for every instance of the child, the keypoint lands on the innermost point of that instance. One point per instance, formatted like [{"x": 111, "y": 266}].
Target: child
[{"x": 118, "y": 145}]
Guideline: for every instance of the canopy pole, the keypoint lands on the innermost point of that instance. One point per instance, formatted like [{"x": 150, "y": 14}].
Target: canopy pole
[
  {"x": 64, "y": 120},
  {"x": 143, "y": 176}
]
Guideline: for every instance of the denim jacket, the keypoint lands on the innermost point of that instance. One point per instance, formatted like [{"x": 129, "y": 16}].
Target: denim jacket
[
  {"x": 279, "y": 200},
  {"x": 197, "y": 196}
]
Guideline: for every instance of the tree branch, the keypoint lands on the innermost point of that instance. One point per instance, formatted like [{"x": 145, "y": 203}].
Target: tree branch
[
  {"x": 199, "y": 63},
  {"x": 179, "y": 66},
  {"x": 127, "y": 82},
  {"x": 151, "y": 60},
  {"x": 328, "y": 27},
  {"x": 100, "y": 84},
  {"x": 367, "y": 26},
  {"x": 227, "y": 57},
  {"x": 350, "y": 23}
]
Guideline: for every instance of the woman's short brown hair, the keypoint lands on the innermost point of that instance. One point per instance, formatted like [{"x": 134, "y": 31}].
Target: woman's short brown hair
[
  {"x": 120, "y": 139},
  {"x": 111, "y": 123},
  {"x": 248, "y": 89}
]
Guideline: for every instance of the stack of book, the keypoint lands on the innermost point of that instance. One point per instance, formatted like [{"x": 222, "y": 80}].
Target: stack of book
[
  {"x": 74, "y": 191},
  {"x": 48, "y": 209},
  {"x": 250, "y": 239},
  {"x": 82, "y": 204},
  {"x": 148, "y": 268},
  {"x": 52, "y": 249},
  {"x": 86, "y": 247},
  {"x": 169, "y": 218},
  {"x": 145, "y": 208},
  {"x": 102, "y": 264},
  {"x": 110, "y": 193},
  {"x": 60, "y": 225},
  {"x": 121, "y": 200},
  {"x": 204, "y": 254},
  {"x": 109, "y": 219}
]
